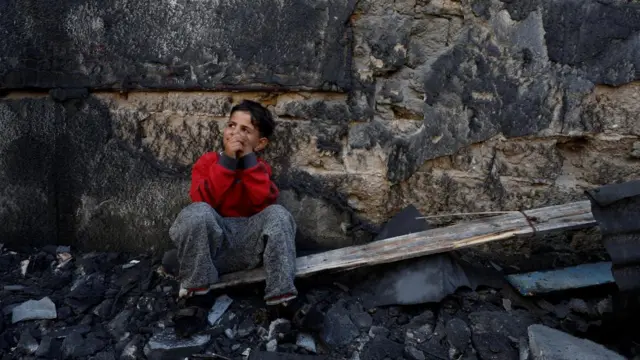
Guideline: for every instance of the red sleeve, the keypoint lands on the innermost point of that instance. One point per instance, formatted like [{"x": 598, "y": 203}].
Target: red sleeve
[
  {"x": 261, "y": 191},
  {"x": 210, "y": 180}
]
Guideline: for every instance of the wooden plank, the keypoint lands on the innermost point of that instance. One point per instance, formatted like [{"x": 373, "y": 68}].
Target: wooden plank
[
  {"x": 575, "y": 277},
  {"x": 553, "y": 218}
]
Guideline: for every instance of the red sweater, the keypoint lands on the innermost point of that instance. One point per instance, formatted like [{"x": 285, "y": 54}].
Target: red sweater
[{"x": 234, "y": 188}]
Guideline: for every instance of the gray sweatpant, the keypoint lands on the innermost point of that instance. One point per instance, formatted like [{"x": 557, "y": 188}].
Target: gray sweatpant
[{"x": 209, "y": 245}]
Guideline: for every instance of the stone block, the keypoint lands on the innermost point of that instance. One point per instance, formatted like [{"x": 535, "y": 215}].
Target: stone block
[
  {"x": 29, "y": 149},
  {"x": 180, "y": 44}
]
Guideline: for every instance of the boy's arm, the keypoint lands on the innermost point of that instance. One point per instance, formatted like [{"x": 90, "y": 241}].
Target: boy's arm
[
  {"x": 256, "y": 178},
  {"x": 211, "y": 177}
]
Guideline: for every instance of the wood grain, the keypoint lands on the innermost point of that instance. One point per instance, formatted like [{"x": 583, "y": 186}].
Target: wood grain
[{"x": 548, "y": 219}]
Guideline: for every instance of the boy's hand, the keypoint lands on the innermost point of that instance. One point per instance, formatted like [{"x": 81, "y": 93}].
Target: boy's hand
[
  {"x": 235, "y": 147},
  {"x": 238, "y": 147}
]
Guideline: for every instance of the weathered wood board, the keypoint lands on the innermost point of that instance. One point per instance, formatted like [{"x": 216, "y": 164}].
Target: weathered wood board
[{"x": 548, "y": 219}]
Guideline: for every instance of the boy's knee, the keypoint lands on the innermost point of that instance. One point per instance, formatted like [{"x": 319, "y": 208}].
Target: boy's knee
[
  {"x": 193, "y": 214},
  {"x": 279, "y": 214}
]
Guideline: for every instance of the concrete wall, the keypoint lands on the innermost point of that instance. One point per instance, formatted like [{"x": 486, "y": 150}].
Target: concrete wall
[{"x": 451, "y": 106}]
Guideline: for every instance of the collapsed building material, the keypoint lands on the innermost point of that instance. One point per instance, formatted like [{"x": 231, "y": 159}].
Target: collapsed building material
[
  {"x": 575, "y": 277},
  {"x": 529, "y": 222},
  {"x": 616, "y": 208}
]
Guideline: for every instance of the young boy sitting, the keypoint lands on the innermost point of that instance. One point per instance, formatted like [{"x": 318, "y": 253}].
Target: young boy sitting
[{"x": 233, "y": 223}]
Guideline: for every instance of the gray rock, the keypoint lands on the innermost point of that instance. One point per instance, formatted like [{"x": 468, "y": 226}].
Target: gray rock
[
  {"x": 27, "y": 343},
  {"x": 492, "y": 332},
  {"x": 412, "y": 353},
  {"x": 68, "y": 330},
  {"x": 75, "y": 346},
  {"x": 362, "y": 320},
  {"x": 513, "y": 324},
  {"x": 34, "y": 309},
  {"x": 278, "y": 328},
  {"x": 266, "y": 355},
  {"x": 380, "y": 348},
  {"x": 118, "y": 325},
  {"x": 426, "y": 317},
  {"x": 133, "y": 349},
  {"x": 103, "y": 310},
  {"x": 272, "y": 345},
  {"x": 419, "y": 335},
  {"x": 44, "y": 347},
  {"x": 458, "y": 334},
  {"x": 578, "y": 305},
  {"x": 306, "y": 342},
  {"x": 338, "y": 329},
  {"x": 376, "y": 331},
  {"x": 550, "y": 344},
  {"x": 165, "y": 346},
  {"x": 245, "y": 328},
  {"x": 604, "y": 306},
  {"x": 104, "y": 355}
]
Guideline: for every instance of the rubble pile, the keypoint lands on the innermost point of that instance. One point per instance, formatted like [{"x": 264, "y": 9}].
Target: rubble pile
[{"x": 62, "y": 305}]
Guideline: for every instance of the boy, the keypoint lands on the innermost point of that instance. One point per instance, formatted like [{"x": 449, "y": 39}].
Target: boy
[{"x": 233, "y": 223}]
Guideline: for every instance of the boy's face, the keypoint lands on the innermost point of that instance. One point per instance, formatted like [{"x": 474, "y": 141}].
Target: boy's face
[{"x": 239, "y": 128}]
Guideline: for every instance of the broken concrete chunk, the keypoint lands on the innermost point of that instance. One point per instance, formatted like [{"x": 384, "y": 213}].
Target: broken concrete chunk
[
  {"x": 132, "y": 350},
  {"x": 575, "y": 277},
  {"x": 165, "y": 346},
  {"x": 550, "y": 344},
  {"x": 32, "y": 309},
  {"x": 130, "y": 264},
  {"x": 278, "y": 328},
  {"x": 219, "y": 307},
  {"x": 24, "y": 265},
  {"x": 306, "y": 342},
  {"x": 272, "y": 345}
]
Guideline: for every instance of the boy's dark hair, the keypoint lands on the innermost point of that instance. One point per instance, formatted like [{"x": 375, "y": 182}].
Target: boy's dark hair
[{"x": 261, "y": 117}]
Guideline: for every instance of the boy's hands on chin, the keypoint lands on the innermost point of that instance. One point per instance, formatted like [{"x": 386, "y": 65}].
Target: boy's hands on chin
[{"x": 238, "y": 147}]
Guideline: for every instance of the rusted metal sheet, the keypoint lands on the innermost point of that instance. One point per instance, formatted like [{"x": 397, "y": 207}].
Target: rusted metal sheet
[{"x": 616, "y": 208}]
